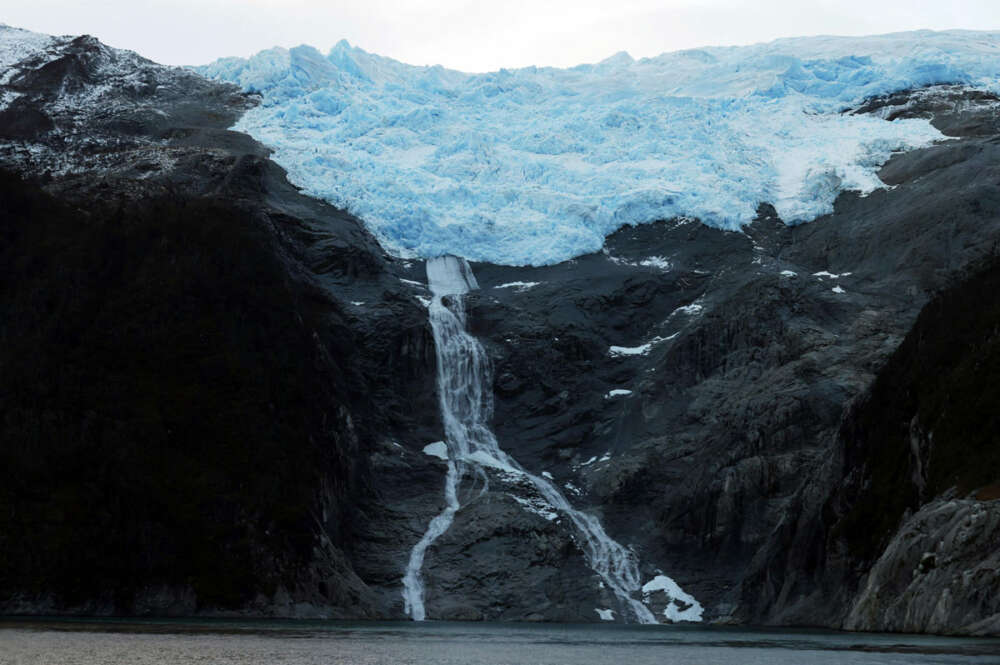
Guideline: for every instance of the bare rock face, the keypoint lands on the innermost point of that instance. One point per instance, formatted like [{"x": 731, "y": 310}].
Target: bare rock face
[
  {"x": 471, "y": 577},
  {"x": 921, "y": 435},
  {"x": 939, "y": 574},
  {"x": 194, "y": 432}
]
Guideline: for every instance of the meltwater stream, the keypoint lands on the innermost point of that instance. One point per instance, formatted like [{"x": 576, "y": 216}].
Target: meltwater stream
[{"x": 466, "y": 400}]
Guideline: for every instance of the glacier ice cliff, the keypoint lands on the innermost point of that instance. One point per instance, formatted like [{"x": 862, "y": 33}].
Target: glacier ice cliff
[{"x": 538, "y": 165}]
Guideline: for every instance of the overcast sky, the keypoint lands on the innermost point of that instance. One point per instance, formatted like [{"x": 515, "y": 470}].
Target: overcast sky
[{"x": 477, "y": 36}]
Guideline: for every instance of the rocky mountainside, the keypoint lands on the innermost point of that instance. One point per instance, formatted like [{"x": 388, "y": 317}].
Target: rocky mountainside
[
  {"x": 694, "y": 383},
  {"x": 218, "y": 391},
  {"x": 919, "y": 499},
  {"x": 190, "y": 398}
]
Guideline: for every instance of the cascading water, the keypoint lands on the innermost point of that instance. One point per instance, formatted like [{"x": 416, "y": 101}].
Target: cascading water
[
  {"x": 463, "y": 409},
  {"x": 466, "y": 400}
]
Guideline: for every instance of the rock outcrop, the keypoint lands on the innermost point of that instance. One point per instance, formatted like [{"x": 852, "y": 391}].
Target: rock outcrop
[
  {"x": 938, "y": 574},
  {"x": 916, "y": 467}
]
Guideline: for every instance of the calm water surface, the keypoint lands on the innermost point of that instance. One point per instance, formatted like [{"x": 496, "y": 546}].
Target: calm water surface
[{"x": 71, "y": 642}]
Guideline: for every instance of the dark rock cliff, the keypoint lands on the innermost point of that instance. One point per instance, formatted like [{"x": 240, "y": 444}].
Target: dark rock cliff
[
  {"x": 917, "y": 509},
  {"x": 190, "y": 397},
  {"x": 217, "y": 390}
]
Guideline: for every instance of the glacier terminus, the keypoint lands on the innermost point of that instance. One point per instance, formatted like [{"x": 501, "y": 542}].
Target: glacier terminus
[{"x": 537, "y": 165}]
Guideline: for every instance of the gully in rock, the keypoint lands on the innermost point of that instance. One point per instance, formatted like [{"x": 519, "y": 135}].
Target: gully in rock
[{"x": 466, "y": 407}]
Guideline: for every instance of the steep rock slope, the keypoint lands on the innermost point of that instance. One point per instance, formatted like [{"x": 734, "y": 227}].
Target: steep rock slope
[
  {"x": 921, "y": 469},
  {"x": 190, "y": 396}
]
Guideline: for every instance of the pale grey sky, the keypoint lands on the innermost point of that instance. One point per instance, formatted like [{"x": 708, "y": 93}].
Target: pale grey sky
[{"x": 477, "y": 36}]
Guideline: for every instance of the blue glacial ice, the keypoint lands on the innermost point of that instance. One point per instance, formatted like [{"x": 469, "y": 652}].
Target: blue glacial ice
[{"x": 538, "y": 165}]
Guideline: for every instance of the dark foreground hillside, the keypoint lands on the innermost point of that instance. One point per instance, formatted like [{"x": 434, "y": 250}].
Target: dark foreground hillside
[
  {"x": 163, "y": 402},
  {"x": 189, "y": 399}
]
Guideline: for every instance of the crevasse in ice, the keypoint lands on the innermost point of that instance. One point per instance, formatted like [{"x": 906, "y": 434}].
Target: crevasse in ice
[{"x": 537, "y": 165}]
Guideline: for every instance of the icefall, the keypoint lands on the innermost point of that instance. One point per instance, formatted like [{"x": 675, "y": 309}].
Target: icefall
[{"x": 538, "y": 165}]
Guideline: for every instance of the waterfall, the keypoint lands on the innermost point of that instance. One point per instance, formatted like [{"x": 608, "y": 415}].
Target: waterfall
[
  {"x": 466, "y": 401},
  {"x": 413, "y": 584}
]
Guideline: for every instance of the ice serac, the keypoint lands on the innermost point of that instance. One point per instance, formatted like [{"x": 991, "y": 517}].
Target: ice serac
[
  {"x": 538, "y": 165},
  {"x": 466, "y": 401}
]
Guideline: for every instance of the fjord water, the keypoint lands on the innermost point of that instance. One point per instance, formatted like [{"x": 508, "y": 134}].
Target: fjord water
[
  {"x": 466, "y": 402},
  {"x": 98, "y": 642}
]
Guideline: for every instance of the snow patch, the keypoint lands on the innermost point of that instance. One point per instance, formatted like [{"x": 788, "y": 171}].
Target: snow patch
[
  {"x": 536, "y": 506},
  {"x": 789, "y": 273},
  {"x": 681, "y": 606},
  {"x": 837, "y": 289},
  {"x": 437, "y": 449},
  {"x": 690, "y": 310},
  {"x": 617, "y": 392},
  {"x": 619, "y": 351},
  {"x": 617, "y": 260},
  {"x": 656, "y": 262},
  {"x": 606, "y": 615},
  {"x": 823, "y": 273},
  {"x": 7, "y": 97},
  {"x": 16, "y": 45},
  {"x": 483, "y": 458},
  {"x": 520, "y": 286},
  {"x": 642, "y": 349}
]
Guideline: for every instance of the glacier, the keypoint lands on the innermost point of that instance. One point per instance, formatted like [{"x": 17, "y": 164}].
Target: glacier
[{"x": 537, "y": 165}]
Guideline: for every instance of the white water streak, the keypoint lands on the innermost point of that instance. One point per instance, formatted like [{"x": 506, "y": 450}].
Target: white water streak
[
  {"x": 466, "y": 400},
  {"x": 413, "y": 584}
]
